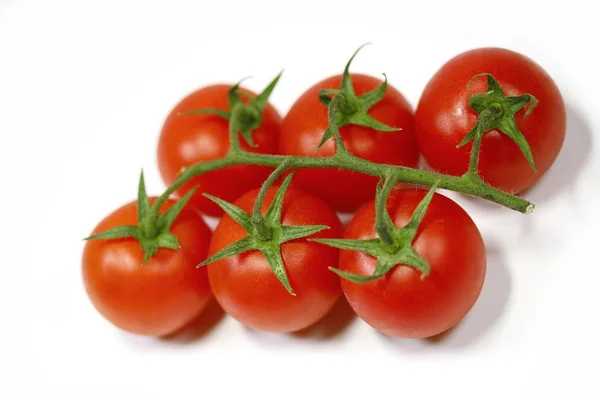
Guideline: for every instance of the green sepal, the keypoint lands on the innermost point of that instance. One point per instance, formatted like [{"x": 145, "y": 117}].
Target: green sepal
[
  {"x": 356, "y": 278},
  {"x": 518, "y": 102},
  {"x": 273, "y": 256},
  {"x": 352, "y": 109},
  {"x": 246, "y": 117},
  {"x": 384, "y": 226},
  {"x": 471, "y": 135},
  {"x": 143, "y": 203},
  {"x": 398, "y": 251},
  {"x": 289, "y": 233},
  {"x": 153, "y": 230},
  {"x": 409, "y": 231},
  {"x": 347, "y": 86},
  {"x": 373, "y": 97},
  {"x": 166, "y": 220},
  {"x": 233, "y": 94},
  {"x": 247, "y": 135},
  {"x": 386, "y": 261},
  {"x": 119, "y": 232},
  {"x": 509, "y": 127},
  {"x": 367, "y": 121},
  {"x": 237, "y": 214},
  {"x": 273, "y": 214},
  {"x": 149, "y": 249},
  {"x": 326, "y": 95},
  {"x": 263, "y": 98},
  {"x": 241, "y": 246},
  {"x": 269, "y": 245},
  {"x": 368, "y": 246},
  {"x": 168, "y": 241},
  {"x": 328, "y": 133},
  {"x": 332, "y": 116},
  {"x": 497, "y": 111}
]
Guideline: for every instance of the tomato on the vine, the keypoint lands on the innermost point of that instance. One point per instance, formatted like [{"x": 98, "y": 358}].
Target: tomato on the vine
[
  {"x": 159, "y": 297},
  {"x": 403, "y": 303},
  {"x": 443, "y": 118},
  {"x": 245, "y": 285},
  {"x": 306, "y": 122},
  {"x": 186, "y": 140}
]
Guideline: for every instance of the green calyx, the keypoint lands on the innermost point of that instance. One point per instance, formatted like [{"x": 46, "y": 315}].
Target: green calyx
[
  {"x": 270, "y": 235},
  {"x": 152, "y": 231},
  {"x": 353, "y": 109},
  {"x": 393, "y": 247},
  {"x": 497, "y": 111},
  {"x": 243, "y": 117}
]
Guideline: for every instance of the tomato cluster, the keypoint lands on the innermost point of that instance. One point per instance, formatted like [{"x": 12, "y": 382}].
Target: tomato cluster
[{"x": 142, "y": 266}]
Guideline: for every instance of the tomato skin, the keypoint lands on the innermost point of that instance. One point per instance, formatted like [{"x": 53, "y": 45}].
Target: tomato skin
[
  {"x": 186, "y": 140},
  {"x": 304, "y": 125},
  {"x": 160, "y": 297},
  {"x": 443, "y": 118},
  {"x": 248, "y": 290},
  {"x": 400, "y": 304}
]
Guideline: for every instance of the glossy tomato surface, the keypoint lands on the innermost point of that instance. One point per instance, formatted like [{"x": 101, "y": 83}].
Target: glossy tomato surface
[
  {"x": 248, "y": 290},
  {"x": 186, "y": 140},
  {"x": 401, "y": 304},
  {"x": 163, "y": 295},
  {"x": 443, "y": 118},
  {"x": 304, "y": 126}
]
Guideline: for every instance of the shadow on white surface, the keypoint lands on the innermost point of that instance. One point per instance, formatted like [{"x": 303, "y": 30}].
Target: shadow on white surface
[
  {"x": 200, "y": 327},
  {"x": 479, "y": 322},
  {"x": 333, "y": 325},
  {"x": 573, "y": 156}
]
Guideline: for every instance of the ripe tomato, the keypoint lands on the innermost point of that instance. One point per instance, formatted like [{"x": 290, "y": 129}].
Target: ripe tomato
[
  {"x": 159, "y": 297},
  {"x": 443, "y": 118},
  {"x": 401, "y": 303},
  {"x": 186, "y": 140},
  {"x": 304, "y": 126},
  {"x": 248, "y": 290}
]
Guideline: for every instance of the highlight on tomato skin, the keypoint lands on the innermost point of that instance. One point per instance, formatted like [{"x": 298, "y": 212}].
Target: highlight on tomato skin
[
  {"x": 402, "y": 303},
  {"x": 245, "y": 285},
  {"x": 443, "y": 118},
  {"x": 186, "y": 140},
  {"x": 159, "y": 297},
  {"x": 305, "y": 124}
]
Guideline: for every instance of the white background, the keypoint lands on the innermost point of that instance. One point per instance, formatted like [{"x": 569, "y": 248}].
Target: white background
[{"x": 84, "y": 88}]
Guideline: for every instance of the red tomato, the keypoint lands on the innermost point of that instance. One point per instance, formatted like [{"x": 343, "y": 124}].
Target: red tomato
[
  {"x": 443, "y": 118},
  {"x": 305, "y": 123},
  {"x": 402, "y": 304},
  {"x": 186, "y": 140},
  {"x": 159, "y": 297},
  {"x": 248, "y": 290}
]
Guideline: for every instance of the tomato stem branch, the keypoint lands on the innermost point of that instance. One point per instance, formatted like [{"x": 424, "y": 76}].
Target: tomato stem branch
[
  {"x": 348, "y": 161},
  {"x": 474, "y": 160},
  {"x": 469, "y": 183}
]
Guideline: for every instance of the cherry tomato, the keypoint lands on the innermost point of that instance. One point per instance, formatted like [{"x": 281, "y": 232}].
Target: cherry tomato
[
  {"x": 157, "y": 298},
  {"x": 248, "y": 290},
  {"x": 443, "y": 118},
  {"x": 306, "y": 122},
  {"x": 401, "y": 304},
  {"x": 186, "y": 140}
]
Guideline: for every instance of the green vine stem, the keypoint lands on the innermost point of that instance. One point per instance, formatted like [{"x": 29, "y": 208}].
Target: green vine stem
[{"x": 343, "y": 159}]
